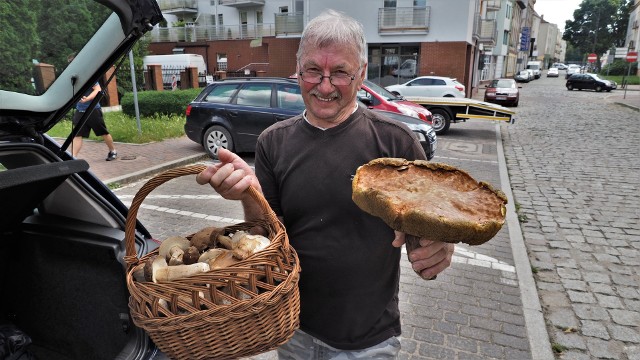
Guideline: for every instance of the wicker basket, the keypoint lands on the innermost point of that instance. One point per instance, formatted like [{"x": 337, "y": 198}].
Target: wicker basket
[{"x": 193, "y": 318}]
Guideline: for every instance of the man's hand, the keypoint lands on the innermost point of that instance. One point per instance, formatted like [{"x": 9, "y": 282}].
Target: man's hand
[
  {"x": 430, "y": 258},
  {"x": 230, "y": 177}
]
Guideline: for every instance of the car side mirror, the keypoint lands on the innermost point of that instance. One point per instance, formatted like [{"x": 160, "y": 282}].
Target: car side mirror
[{"x": 365, "y": 100}]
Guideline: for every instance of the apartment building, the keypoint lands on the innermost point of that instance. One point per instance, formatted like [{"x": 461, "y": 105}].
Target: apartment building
[{"x": 434, "y": 37}]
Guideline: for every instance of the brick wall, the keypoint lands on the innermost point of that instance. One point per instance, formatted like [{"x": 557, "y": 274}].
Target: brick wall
[
  {"x": 278, "y": 53},
  {"x": 451, "y": 59}
]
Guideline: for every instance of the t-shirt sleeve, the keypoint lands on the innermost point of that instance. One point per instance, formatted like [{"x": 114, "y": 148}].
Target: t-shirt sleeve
[{"x": 266, "y": 177}]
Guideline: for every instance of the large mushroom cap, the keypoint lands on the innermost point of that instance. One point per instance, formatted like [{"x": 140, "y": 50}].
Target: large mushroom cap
[{"x": 430, "y": 200}]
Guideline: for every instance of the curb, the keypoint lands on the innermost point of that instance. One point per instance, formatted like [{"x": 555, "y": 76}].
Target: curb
[
  {"x": 632, "y": 107},
  {"x": 129, "y": 178},
  {"x": 537, "y": 334}
]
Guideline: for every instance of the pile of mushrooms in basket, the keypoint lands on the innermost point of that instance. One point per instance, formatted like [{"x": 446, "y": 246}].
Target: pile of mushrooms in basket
[{"x": 209, "y": 249}]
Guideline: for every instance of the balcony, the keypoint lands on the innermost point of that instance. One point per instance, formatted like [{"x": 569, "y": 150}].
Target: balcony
[
  {"x": 289, "y": 24},
  {"x": 404, "y": 20},
  {"x": 210, "y": 33},
  {"x": 493, "y": 5},
  {"x": 485, "y": 31},
  {"x": 242, "y": 3},
  {"x": 179, "y": 8}
]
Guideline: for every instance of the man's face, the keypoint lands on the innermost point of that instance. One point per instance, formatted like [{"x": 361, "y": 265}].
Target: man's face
[{"x": 328, "y": 105}]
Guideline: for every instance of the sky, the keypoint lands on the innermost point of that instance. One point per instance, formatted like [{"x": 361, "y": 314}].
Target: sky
[{"x": 557, "y": 11}]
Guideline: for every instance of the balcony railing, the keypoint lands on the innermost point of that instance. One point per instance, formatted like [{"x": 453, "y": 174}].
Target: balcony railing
[
  {"x": 485, "y": 30},
  {"x": 242, "y": 3},
  {"x": 289, "y": 24},
  {"x": 493, "y": 5},
  {"x": 179, "y": 6},
  {"x": 413, "y": 20},
  {"x": 208, "y": 33}
]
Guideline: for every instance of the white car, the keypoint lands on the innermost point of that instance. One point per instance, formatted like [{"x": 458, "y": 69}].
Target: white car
[
  {"x": 552, "y": 72},
  {"x": 429, "y": 86},
  {"x": 572, "y": 69}
]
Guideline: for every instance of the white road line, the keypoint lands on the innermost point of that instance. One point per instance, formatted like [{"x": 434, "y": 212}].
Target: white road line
[{"x": 189, "y": 213}]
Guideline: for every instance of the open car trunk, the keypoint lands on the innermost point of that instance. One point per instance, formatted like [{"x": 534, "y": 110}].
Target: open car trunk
[{"x": 61, "y": 263}]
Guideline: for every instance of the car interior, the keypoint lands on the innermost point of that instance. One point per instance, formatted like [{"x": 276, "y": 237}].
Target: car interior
[{"x": 62, "y": 268}]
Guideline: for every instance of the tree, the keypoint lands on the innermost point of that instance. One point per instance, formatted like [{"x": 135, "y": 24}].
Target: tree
[
  {"x": 597, "y": 25},
  {"x": 61, "y": 37},
  {"x": 18, "y": 44}
]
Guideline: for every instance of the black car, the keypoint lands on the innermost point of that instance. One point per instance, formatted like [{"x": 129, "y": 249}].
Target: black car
[
  {"x": 589, "y": 81},
  {"x": 423, "y": 131},
  {"x": 63, "y": 274},
  {"x": 233, "y": 112}
]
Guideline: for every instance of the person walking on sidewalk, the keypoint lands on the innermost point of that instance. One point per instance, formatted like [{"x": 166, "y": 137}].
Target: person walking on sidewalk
[
  {"x": 304, "y": 166},
  {"x": 95, "y": 122}
]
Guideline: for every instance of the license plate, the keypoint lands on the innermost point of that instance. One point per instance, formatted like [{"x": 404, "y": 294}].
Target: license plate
[{"x": 501, "y": 98}]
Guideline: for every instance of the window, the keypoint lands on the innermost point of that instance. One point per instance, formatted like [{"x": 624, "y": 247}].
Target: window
[
  {"x": 289, "y": 97},
  {"x": 255, "y": 95},
  {"x": 439, "y": 82},
  {"x": 220, "y": 22},
  {"x": 221, "y": 94},
  {"x": 213, "y": 2},
  {"x": 284, "y": 9},
  {"x": 505, "y": 37},
  {"x": 419, "y": 3}
]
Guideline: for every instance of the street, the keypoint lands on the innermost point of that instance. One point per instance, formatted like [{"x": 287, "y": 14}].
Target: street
[{"x": 573, "y": 167}]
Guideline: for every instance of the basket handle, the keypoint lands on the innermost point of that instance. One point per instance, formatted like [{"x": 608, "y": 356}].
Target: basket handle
[{"x": 131, "y": 257}]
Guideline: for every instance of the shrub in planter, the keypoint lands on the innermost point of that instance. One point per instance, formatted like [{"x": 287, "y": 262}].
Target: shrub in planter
[
  {"x": 160, "y": 102},
  {"x": 619, "y": 67}
]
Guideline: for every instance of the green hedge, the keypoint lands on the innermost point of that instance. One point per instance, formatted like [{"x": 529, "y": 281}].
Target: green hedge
[
  {"x": 619, "y": 67},
  {"x": 159, "y": 102}
]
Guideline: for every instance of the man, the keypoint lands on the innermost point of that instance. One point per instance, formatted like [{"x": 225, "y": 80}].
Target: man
[
  {"x": 304, "y": 166},
  {"x": 95, "y": 122}
]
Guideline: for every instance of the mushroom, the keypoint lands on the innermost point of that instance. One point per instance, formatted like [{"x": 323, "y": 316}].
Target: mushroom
[
  {"x": 229, "y": 241},
  {"x": 173, "y": 248},
  {"x": 223, "y": 260},
  {"x": 248, "y": 245},
  {"x": 169, "y": 273},
  {"x": 210, "y": 254},
  {"x": 152, "y": 267},
  {"x": 205, "y": 238},
  {"x": 191, "y": 255}
]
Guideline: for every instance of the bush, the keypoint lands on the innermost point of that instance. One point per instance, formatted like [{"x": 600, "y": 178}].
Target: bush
[
  {"x": 159, "y": 102},
  {"x": 619, "y": 67}
]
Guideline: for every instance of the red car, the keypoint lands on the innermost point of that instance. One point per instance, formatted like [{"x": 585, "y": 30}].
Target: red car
[
  {"x": 377, "y": 97},
  {"x": 503, "y": 91}
]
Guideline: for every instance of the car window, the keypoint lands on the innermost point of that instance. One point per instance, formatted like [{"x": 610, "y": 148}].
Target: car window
[
  {"x": 255, "y": 95},
  {"x": 380, "y": 90},
  {"x": 421, "y": 82},
  {"x": 439, "y": 82},
  {"x": 222, "y": 93},
  {"x": 289, "y": 97},
  {"x": 502, "y": 84}
]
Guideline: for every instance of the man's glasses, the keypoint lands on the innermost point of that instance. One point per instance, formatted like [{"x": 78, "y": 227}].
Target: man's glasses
[{"x": 313, "y": 77}]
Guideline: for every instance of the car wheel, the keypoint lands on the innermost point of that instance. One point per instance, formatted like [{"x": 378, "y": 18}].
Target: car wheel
[
  {"x": 216, "y": 137},
  {"x": 569, "y": 87},
  {"x": 441, "y": 120},
  {"x": 448, "y": 95},
  {"x": 396, "y": 93},
  {"x": 599, "y": 88}
]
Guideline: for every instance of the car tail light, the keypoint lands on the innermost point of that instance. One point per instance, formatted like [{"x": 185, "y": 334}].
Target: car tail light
[
  {"x": 188, "y": 112},
  {"x": 460, "y": 88}
]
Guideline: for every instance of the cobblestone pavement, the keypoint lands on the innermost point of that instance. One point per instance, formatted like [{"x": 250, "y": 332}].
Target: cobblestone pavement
[{"x": 575, "y": 172}]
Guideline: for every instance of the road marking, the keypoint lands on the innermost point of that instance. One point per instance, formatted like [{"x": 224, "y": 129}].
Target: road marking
[{"x": 195, "y": 215}]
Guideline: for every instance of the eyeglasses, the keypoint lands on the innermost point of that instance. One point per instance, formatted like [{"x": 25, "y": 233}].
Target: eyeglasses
[{"x": 313, "y": 77}]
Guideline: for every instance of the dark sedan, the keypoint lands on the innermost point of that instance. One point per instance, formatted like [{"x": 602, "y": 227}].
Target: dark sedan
[
  {"x": 589, "y": 81},
  {"x": 503, "y": 91},
  {"x": 232, "y": 113}
]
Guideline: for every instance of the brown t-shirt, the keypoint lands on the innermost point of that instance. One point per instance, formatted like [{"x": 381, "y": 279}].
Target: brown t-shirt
[{"x": 350, "y": 271}]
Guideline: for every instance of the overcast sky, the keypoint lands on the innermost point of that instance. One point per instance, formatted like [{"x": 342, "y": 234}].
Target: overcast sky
[{"x": 557, "y": 11}]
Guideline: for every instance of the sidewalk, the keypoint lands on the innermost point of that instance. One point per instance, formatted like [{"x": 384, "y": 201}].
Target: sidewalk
[
  {"x": 630, "y": 99},
  {"x": 136, "y": 161}
]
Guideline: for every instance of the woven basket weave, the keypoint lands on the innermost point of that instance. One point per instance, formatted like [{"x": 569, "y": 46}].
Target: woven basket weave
[{"x": 193, "y": 318}]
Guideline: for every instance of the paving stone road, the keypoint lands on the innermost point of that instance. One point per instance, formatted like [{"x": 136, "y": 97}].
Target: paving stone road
[{"x": 574, "y": 165}]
